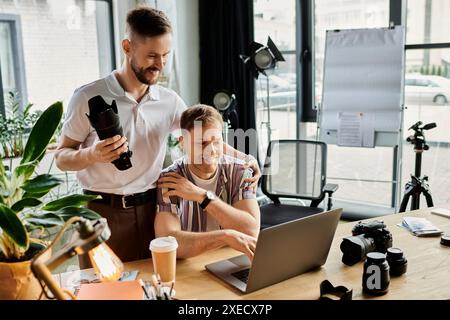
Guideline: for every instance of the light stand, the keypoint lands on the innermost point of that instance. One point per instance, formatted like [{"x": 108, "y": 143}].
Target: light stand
[
  {"x": 225, "y": 103},
  {"x": 418, "y": 184},
  {"x": 261, "y": 59},
  {"x": 268, "y": 126}
]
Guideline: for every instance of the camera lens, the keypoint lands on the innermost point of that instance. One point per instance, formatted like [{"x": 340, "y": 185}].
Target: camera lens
[
  {"x": 397, "y": 262},
  {"x": 376, "y": 278},
  {"x": 355, "y": 248},
  {"x": 105, "y": 120},
  {"x": 445, "y": 240}
]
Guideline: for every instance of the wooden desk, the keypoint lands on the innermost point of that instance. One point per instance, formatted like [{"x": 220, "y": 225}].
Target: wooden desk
[{"x": 427, "y": 277}]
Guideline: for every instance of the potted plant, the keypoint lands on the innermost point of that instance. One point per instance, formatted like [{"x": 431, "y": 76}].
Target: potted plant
[
  {"x": 173, "y": 151},
  {"x": 25, "y": 214},
  {"x": 14, "y": 127}
]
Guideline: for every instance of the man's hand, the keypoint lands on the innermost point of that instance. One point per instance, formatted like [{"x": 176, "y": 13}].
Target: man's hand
[
  {"x": 181, "y": 187},
  {"x": 241, "y": 242},
  {"x": 108, "y": 150},
  {"x": 253, "y": 181}
]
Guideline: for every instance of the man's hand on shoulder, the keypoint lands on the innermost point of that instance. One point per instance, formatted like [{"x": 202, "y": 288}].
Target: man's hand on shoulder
[
  {"x": 181, "y": 187},
  {"x": 253, "y": 164}
]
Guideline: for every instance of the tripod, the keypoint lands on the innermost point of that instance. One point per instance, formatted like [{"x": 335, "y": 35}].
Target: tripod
[{"x": 418, "y": 184}]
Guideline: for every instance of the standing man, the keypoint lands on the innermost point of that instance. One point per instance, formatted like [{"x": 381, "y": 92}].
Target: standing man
[{"x": 148, "y": 113}]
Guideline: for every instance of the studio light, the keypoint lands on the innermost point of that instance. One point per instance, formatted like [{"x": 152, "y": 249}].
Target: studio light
[
  {"x": 259, "y": 60},
  {"x": 225, "y": 103},
  {"x": 262, "y": 58}
]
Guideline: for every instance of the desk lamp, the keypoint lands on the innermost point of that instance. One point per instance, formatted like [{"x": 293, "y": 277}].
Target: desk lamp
[{"x": 89, "y": 238}]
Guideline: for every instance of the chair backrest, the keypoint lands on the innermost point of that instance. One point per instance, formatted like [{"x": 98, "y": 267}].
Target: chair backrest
[{"x": 294, "y": 169}]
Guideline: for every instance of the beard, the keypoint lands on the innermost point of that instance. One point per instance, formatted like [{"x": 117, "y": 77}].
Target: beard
[{"x": 140, "y": 73}]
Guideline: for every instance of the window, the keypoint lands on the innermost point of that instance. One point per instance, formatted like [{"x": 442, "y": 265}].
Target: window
[
  {"x": 277, "y": 20},
  {"x": 428, "y": 101},
  {"x": 11, "y": 59},
  {"x": 427, "y": 22},
  {"x": 428, "y": 63},
  {"x": 65, "y": 44},
  {"x": 426, "y": 87}
]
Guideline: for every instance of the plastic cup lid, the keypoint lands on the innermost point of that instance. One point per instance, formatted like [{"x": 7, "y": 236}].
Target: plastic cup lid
[{"x": 163, "y": 244}]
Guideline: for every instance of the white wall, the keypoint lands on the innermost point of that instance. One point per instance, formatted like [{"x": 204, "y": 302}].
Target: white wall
[
  {"x": 188, "y": 44},
  {"x": 188, "y": 50}
]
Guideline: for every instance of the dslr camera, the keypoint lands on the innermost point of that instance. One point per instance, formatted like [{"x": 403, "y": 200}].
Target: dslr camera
[
  {"x": 105, "y": 120},
  {"x": 366, "y": 237}
]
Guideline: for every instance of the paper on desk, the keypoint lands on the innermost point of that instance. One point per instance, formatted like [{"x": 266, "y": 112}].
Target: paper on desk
[
  {"x": 350, "y": 129},
  {"x": 420, "y": 226},
  {"x": 72, "y": 280}
]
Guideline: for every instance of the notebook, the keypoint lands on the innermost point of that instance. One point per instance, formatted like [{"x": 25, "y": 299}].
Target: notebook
[
  {"x": 117, "y": 290},
  {"x": 420, "y": 227}
]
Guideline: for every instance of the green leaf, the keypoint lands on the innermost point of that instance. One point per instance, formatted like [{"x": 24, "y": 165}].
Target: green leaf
[
  {"x": 69, "y": 212},
  {"x": 25, "y": 203},
  {"x": 2, "y": 168},
  {"x": 73, "y": 200},
  {"x": 42, "y": 132},
  {"x": 13, "y": 227},
  {"x": 41, "y": 183},
  {"x": 26, "y": 169},
  {"x": 45, "y": 220},
  {"x": 34, "y": 195},
  {"x": 26, "y": 111}
]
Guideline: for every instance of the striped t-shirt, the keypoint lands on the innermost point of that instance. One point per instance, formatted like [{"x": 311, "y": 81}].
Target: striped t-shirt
[{"x": 229, "y": 188}]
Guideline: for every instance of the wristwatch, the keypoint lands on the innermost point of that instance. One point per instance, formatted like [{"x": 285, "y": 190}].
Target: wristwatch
[{"x": 209, "y": 196}]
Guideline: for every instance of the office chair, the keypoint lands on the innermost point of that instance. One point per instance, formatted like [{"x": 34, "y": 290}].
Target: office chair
[{"x": 294, "y": 169}]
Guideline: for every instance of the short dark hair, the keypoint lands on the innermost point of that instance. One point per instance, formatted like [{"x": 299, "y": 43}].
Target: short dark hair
[
  {"x": 147, "y": 22},
  {"x": 200, "y": 112}
]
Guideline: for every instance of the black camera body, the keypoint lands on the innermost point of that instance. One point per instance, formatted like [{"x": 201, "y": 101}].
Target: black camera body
[
  {"x": 105, "y": 120},
  {"x": 366, "y": 237}
]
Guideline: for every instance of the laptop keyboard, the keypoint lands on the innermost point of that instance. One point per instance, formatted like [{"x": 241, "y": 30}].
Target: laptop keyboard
[{"x": 242, "y": 275}]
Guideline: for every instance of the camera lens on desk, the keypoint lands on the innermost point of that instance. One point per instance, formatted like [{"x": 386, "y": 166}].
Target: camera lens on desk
[
  {"x": 397, "y": 262},
  {"x": 445, "y": 240},
  {"x": 376, "y": 277}
]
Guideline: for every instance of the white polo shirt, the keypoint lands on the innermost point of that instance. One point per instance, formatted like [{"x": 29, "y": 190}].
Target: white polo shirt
[{"x": 146, "y": 125}]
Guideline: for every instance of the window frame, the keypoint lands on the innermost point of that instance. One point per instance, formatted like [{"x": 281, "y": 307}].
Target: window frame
[
  {"x": 14, "y": 22},
  {"x": 112, "y": 37},
  {"x": 307, "y": 112}
]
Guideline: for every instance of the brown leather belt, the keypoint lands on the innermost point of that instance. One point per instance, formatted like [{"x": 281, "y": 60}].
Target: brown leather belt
[{"x": 125, "y": 201}]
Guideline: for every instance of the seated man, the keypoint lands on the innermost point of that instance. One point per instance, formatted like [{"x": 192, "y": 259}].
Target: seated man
[{"x": 202, "y": 199}]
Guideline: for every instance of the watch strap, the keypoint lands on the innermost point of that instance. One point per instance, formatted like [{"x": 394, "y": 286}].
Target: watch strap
[{"x": 205, "y": 202}]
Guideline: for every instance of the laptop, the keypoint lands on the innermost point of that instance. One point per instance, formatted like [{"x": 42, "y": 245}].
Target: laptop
[{"x": 282, "y": 252}]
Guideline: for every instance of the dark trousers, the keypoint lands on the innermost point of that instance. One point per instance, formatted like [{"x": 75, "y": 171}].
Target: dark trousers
[{"x": 132, "y": 230}]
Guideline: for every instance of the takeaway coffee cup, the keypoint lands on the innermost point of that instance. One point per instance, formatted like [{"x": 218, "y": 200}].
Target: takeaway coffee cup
[{"x": 164, "y": 256}]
